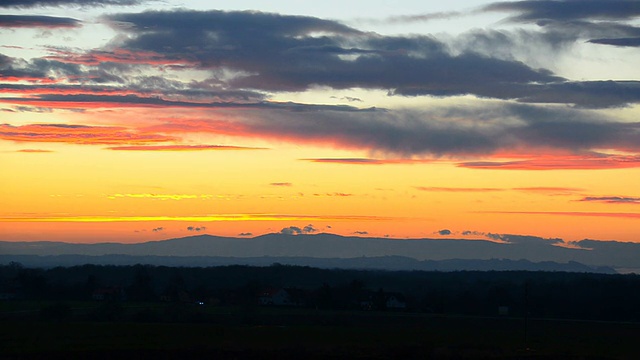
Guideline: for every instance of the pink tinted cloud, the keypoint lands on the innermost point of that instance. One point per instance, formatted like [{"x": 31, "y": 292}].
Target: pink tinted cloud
[
  {"x": 368, "y": 161},
  {"x": 78, "y": 134},
  {"x": 181, "y": 148},
  {"x": 589, "y": 161},
  {"x": 34, "y": 151}
]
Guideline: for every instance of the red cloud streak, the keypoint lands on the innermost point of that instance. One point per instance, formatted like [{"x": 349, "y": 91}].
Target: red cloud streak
[
  {"x": 570, "y": 213},
  {"x": 367, "y": 161}
]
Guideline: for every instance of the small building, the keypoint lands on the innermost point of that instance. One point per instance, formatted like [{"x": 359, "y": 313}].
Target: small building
[
  {"x": 382, "y": 300},
  {"x": 10, "y": 291},
  {"x": 395, "y": 301},
  {"x": 282, "y": 297}
]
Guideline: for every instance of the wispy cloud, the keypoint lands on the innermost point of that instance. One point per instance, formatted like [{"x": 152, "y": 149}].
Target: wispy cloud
[
  {"x": 83, "y": 3},
  {"x": 162, "y": 196},
  {"x": 37, "y": 21},
  {"x": 123, "y": 56},
  {"x": 488, "y": 235},
  {"x": 417, "y": 18},
  {"x": 285, "y": 184},
  {"x": 335, "y": 194},
  {"x": 457, "y": 189},
  {"x": 540, "y": 189},
  {"x": 570, "y": 213},
  {"x": 34, "y": 151},
  {"x": 195, "y": 218},
  {"x": 368, "y": 161},
  {"x": 550, "y": 190},
  {"x": 585, "y": 162},
  {"x": 603, "y": 21}
]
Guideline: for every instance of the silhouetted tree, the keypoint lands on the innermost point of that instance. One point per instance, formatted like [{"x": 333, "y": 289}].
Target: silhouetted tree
[{"x": 141, "y": 288}]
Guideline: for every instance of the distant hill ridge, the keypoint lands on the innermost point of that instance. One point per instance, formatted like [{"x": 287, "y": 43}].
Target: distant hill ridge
[
  {"x": 393, "y": 263},
  {"x": 330, "y": 246}
]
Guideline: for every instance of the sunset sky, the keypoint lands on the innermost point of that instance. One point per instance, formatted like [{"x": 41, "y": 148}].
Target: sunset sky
[{"x": 133, "y": 120}]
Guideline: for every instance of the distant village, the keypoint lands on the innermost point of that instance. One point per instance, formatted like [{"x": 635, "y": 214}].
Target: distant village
[{"x": 355, "y": 298}]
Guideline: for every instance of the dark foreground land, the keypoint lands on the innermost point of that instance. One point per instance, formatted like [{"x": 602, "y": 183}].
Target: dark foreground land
[
  {"x": 296, "y": 334},
  {"x": 237, "y": 312}
]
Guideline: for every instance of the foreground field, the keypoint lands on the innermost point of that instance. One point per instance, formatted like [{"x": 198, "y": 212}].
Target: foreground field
[{"x": 294, "y": 334}]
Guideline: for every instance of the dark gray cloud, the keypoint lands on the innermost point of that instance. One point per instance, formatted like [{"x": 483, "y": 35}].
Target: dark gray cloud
[
  {"x": 444, "y": 232},
  {"x": 291, "y": 230},
  {"x": 292, "y": 53},
  {"x": 540, "y": 10},
  {"x": 550, "y": 38},
  {"x": 585, "y": 94},
  {"x": 158, "y": 229},
  {"x": 245, "y": 234},
  {"x": 612, "y": 199},
  {"x": 633, "y": 41},
  {"x": 484, "y": 130},
  {"x": 13, "y": 21},
  {"x": 309, "y": 229},
  {"x": 273, "y": 52},
  {"x": 83, "y": 3},
  {"x": 525, "y": 240},
  {"x": 196, "y": 228},
  {"x": 361, "y": 232},
  {"x": 294, "y": 230}
]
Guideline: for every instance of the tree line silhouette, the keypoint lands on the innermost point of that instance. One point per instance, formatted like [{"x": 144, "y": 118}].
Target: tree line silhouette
[{"x": 512, "y": 293}]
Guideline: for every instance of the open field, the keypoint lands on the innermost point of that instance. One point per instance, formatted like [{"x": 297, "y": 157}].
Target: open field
[{"x": 297, "y": 333}]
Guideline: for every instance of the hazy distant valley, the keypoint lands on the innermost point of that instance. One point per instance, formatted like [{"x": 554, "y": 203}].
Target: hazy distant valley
[{"x": 334, "y": 251}]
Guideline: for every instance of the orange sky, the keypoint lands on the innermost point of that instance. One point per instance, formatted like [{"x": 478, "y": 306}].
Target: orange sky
[{"x": 353, "y": 132}]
